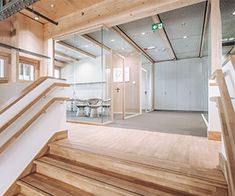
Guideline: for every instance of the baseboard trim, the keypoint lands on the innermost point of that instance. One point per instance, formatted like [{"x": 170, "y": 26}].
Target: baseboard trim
[{"x": 214, "y": 135}]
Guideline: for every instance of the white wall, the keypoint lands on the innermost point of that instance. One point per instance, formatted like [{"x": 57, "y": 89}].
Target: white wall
[
  {"x": 10, "y": 90},
  {"x": 149, "y": 68},
  {"x": 88, "y": 76},
  {"x": 181, "y": 85}
]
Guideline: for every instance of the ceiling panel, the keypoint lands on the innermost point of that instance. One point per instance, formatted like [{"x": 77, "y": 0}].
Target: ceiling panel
[
  {"x": 69, "y": 52},
  {"x": 228, "y": 19},
  {"x": 112, "y": 40},
  {"x": 81, "y": 43},
  {"x": 184, "y": 28},
  {"x": 140, "y": 31}
]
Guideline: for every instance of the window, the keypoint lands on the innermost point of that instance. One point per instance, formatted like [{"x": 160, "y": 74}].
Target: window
[
  {"x": 28, "y": 69},
  {"x": 3, "y": 68},
  {"x": 26, "y": 72}
]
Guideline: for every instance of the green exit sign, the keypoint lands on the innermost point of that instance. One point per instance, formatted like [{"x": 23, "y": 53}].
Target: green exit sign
[{"x": 157, "y": 26}]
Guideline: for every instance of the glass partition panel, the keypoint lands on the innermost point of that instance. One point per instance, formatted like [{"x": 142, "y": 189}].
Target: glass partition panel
[
  {"x": 87, "y": 68},
  {"x": 132, "y": 74}
]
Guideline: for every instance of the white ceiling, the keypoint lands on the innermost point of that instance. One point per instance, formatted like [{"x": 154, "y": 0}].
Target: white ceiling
[{"x": 187, "y": 21}]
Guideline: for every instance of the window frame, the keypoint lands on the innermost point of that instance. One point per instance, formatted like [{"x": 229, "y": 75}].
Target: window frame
[
  {"x": 6, "y": 58},
  {"x": 29, "y": 61}
]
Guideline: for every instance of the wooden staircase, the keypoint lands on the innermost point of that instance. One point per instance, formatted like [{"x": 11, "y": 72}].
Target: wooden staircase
[{"x": 69, "y": 169}]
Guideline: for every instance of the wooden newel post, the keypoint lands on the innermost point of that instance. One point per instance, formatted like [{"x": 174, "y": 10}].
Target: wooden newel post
[{"x": 216, "y": 36}]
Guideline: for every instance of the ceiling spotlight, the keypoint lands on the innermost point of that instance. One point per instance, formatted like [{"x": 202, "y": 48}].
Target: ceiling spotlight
[
  {"x": 150, "y": 48},
  {"x": 86, "y": 46},
  {"x": 112, "y": 40},
  {"x": 36, "y": 17},
  {"x": 231, "y": 39},
  {"x": 233, "y": 13},
  {"x": 185, "y": 37},
  {"x": 143, "y": 33},
  {"x": 52, "y": 5}
]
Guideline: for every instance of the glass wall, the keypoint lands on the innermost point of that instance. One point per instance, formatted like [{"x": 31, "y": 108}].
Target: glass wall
[
  {"x": 87, "y": 69},
  {"x": 104, "y": 71}
]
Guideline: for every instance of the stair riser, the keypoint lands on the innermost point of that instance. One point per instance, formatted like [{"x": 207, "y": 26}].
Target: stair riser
[
  {"x": 109, "y": 164},
  {"x": 29, "y": 192},
  {"x": 81, "y": 182}
]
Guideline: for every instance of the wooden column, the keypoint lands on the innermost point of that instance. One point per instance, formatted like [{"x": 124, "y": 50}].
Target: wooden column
[{"x": 216, "y": 35}]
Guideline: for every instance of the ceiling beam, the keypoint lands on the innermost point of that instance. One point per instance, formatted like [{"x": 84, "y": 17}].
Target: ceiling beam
[
  {"x": 132, "y": 43},
  {"x": 204, "y": 28},
  {"x": 65, "y": 56},
  {"x": 163, "y": 34},
  {"x": 94, "y": 41},
  {"x": 76, "y": 49},
  {"x": 228, "y": 43},
  {"x": 42, "y": 16},
  {"x": 122, "y": 11}
]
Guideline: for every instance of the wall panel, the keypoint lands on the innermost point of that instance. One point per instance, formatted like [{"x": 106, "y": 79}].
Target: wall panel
[{"x": 181, "y": 85}]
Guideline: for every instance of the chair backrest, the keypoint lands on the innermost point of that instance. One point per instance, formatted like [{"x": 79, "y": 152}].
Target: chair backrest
[
  {"x": 81, "y": 102},
  {"x": 94, "y": 101}
]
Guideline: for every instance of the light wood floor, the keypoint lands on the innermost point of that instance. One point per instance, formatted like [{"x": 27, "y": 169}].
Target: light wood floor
[{"x": 195, "y": 151}]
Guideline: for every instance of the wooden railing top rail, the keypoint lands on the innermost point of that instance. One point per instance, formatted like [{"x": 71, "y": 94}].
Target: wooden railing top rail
[
  {"x": 44, "y": 93},
  {"x": 30, "y": 122},
  {"x": 227, "y": 118},
  {"x": 24, "y": 92}
]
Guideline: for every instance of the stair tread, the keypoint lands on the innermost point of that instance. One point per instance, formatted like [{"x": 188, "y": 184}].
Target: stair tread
[
  {"x": 52, "y": 186},
  {"x": 148, "y": 178},
  {"x": 100, "y": 176},
  {"x": 214, "y": 175}
]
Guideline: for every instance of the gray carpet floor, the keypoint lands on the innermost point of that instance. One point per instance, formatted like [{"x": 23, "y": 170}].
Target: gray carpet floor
[{"x": 186, "y": 123}]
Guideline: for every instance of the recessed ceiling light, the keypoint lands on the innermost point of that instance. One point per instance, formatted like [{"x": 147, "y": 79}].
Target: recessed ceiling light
[
  {"x": 86, "y": 46},
  {"x": 151, "y": 47},
  {"x": 112, "y": 40},
  {"x": 123, "y": 48},
  {"x": 143, "y": 33},
  {"x": 185, "y": 37},
  {"x": 52, "y": 5},
  {"x": 234, "y": 13},
  {"x": 36, "y": 17}
]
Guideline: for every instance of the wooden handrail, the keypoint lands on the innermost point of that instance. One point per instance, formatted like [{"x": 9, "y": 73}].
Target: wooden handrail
[
  {"x": 30, "y": 122},
  {"x": 227, "y": 118},
  {"x": 24, "y": 92},
  {"x": 14, "y": 118}
]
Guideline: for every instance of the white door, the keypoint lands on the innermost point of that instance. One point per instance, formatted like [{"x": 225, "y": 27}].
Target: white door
[{"x": 144, "y": 93}]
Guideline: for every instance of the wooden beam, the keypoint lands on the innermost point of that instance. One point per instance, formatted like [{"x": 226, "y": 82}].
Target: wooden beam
[
  {"x": 122, "y": 11},
  {"x": 216, "y": 36},
  {"x": 65, "y": 56},
  {"x": 76, "y": 49},
  {"x": 94, "y": 41},
  {"x": 165, "y": 38},
  {"x": 204, "y": 28},
  {"x": 132, "y": 43}
]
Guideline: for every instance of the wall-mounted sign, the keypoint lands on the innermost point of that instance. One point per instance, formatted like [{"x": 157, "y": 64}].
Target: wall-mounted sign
[
  {"x": 157, "y": 26},
  {"x": 118, "y": 74}
]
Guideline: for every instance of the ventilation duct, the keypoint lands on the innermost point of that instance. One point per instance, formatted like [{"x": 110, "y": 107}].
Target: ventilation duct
[{"x": 13, "y": 7}]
